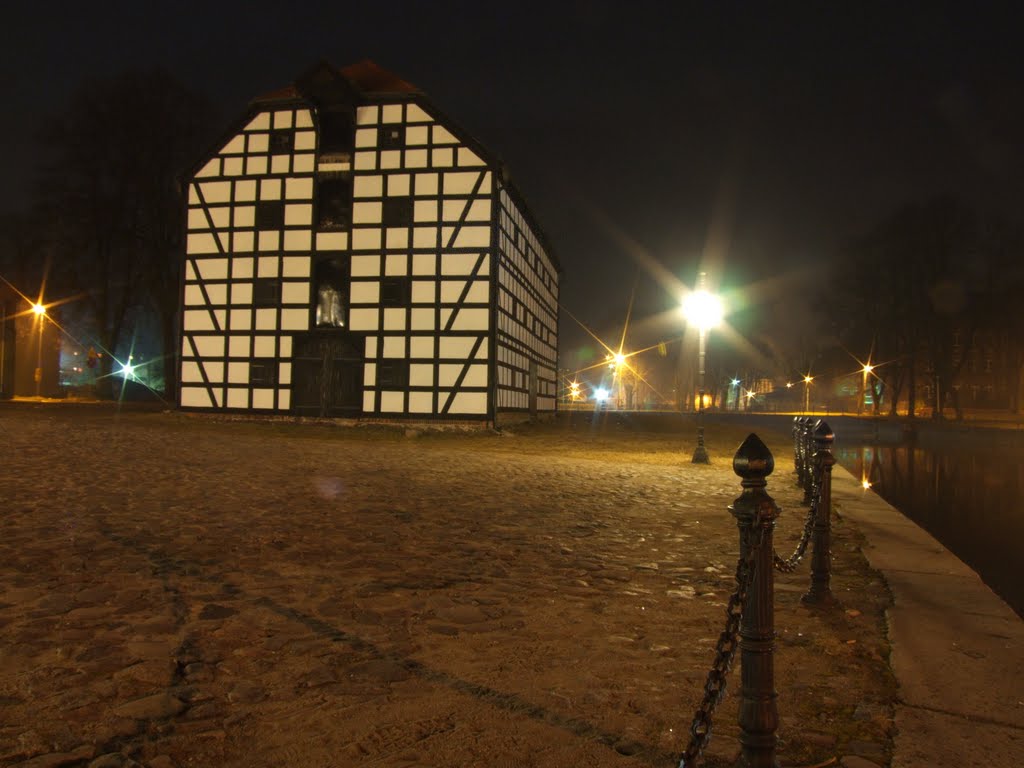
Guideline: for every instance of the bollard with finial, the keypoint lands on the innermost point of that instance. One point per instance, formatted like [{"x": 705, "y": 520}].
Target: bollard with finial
[
  {"x": 755, "y": 512},
  {"x": 820, "y": 592}
]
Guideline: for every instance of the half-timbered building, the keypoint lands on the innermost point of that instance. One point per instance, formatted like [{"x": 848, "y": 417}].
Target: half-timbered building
[{"x": 350, "y": 251}]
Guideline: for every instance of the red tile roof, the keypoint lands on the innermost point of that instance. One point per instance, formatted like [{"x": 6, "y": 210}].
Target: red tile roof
[
  {"x": 365, "y": 75},
  {"x": 370, "y": 78}
]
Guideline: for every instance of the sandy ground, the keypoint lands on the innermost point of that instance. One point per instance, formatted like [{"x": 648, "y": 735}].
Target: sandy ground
[{"x": 182, "y": 591}]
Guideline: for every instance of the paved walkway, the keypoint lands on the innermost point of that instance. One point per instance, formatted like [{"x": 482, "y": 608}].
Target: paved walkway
[
  {"x": 957, "y": 648},
  {"x": 181, "y": 591}
]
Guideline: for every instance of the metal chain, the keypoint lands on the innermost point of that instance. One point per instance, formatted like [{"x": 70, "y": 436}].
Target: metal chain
[
  {"x": 790, "y": 564},
  {"x": 725, "y": 653}
]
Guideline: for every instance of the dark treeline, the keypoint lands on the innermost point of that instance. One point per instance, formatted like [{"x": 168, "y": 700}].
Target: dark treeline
[
  {"x": 929, "y": 297},
  {"x": 103, "y": 231}
]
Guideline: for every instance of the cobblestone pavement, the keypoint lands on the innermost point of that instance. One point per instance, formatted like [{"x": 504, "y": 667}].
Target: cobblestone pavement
[{"x": 178, "y": 590}]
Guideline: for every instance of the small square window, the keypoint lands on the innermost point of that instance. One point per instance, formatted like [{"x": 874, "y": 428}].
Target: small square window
[
  {"x": 263, "y": 372},
  {"x": 395, "y": 291},
  {"x": 270, "y": 214},
  {"x": 281, "y": 142},
  {"x": 393, "y": 374},
  {"x": 391, "y": 136},
  {"x": 334, "y": 203},
  {"x": 397, "y": 211},
  {"x": 266, "y": 292}
]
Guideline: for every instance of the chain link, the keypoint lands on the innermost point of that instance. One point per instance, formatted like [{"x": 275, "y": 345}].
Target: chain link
[
  {"x": 790, "y": 564},
  {"x": 725, "y": 653}
]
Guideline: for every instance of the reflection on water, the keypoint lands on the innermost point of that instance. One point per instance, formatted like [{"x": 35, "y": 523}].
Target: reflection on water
[{"x": 972, "y": 502}]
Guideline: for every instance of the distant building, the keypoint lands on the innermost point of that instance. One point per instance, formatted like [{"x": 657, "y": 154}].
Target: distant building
[{"x": 352, "y": 252}]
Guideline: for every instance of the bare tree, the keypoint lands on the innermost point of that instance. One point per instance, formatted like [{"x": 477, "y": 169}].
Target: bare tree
[{"x": 111, "y": 191}]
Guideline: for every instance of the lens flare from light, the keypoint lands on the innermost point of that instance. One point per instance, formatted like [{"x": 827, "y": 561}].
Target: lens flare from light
[
  {"x": 600, "y": 394},
  {"x": 702, "y": 309}
]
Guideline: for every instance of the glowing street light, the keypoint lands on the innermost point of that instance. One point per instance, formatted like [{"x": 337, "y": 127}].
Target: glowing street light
[
  {"x": 868, "y": 368},
  {"x": 703, "y": 310},
  {"x": 807, "y": 392},
  {"x": 40, "y": 312}
]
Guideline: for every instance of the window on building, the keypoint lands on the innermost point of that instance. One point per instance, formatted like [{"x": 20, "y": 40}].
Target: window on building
[
  {"x": 397, "y": 211},
  {"x": 395, "y": 291},
  {"x": 263, "y": 372},
  {"x": 282, "y": 142},
  {"x": 270, "y": 214},
  {"x": 331, "y": 278},
  {"x": 393, "y": 374},
  {"x": 266, "y": 292},
  {"x": 334, "y": 202},
  {"x": 391, "y": 136},
  {"x": 337, "y": 132}
]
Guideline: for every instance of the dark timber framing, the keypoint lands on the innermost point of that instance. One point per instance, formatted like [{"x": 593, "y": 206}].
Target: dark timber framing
[{"x": 444, "y": 303}]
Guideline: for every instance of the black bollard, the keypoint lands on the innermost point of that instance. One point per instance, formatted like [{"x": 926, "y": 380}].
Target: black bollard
[
  {"x": 820, "y": 592},
  {"x": 755, "y": 514}
]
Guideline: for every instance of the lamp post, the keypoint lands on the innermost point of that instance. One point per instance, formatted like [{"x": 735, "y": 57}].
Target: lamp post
[
  {"x": 40, "y": 312},
  {"x": 704, "y": 310},
  {"x": 807, "y": 392},
  {"x": 868, "y": 368}
]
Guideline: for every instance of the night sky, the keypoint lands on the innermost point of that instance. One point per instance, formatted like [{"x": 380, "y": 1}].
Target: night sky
[{"x": 648, "y": 138}]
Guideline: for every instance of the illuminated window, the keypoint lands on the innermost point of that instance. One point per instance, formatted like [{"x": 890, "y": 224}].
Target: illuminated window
[
  {"x": 270, "y": 214},
  {"x": 331, "y": 293},
  {"x": 334, "y": 202}
]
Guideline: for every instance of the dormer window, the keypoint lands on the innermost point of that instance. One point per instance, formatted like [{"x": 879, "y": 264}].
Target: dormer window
[{"x": 337, "y": 132}]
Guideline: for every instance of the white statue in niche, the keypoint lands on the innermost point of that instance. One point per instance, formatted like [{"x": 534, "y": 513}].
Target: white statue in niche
[{"x": 328, "y": 307}]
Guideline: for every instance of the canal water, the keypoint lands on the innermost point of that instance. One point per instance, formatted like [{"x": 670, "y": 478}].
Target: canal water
[{"x": 965, "y": 488}]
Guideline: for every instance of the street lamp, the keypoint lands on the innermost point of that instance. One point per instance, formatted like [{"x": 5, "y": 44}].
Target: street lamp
[
  {"x": 868, "y": 368},
  {"x": 704, "y": 310},
  {"x": 40, "y": 313},
  {"x": 807, "y": 392}
]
